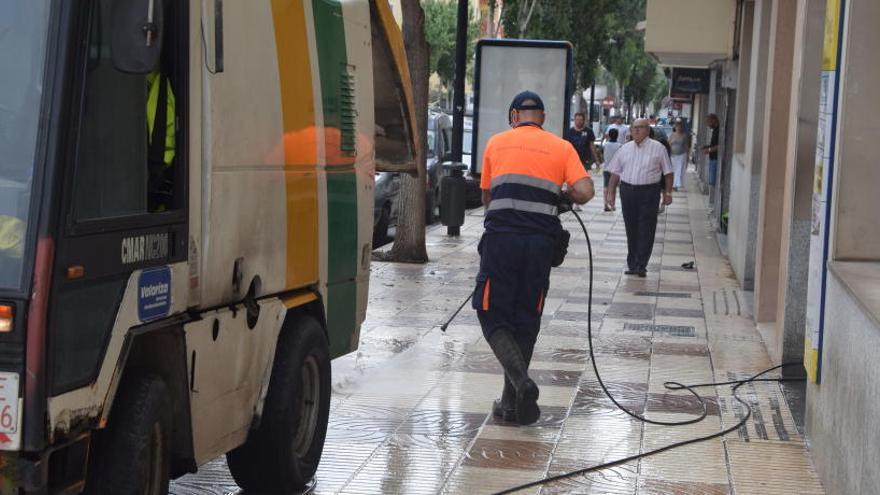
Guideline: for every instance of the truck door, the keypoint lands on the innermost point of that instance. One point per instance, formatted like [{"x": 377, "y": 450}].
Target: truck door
[{"x": 123, "y": 229}]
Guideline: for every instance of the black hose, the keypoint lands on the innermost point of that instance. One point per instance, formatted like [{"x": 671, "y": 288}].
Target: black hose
[{"x": 668, "y": 385}]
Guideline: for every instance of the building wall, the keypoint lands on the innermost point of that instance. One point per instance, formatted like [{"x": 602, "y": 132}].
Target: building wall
[
  {"x": 702, "y": 42},
  {"x": 842, "y": 421},
  {"x": 843, "y": 425},
  {"x": 746, "y": 169}
]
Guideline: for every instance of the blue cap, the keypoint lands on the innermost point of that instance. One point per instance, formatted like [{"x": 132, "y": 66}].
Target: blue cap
[{"x": 519, "y": 100}]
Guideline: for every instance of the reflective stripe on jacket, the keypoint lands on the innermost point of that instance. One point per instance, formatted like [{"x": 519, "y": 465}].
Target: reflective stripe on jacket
[
  {"x": 525, "y": 168},
  {"x": 152, "y": 105}
]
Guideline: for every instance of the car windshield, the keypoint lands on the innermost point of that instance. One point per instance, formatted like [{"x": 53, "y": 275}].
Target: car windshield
[{"x": 23, "y": 27}]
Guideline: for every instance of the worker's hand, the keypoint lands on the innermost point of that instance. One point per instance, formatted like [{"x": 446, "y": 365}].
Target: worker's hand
[
  {"x": 667, "y": 198},
  {"x": 565, "y": 202}
]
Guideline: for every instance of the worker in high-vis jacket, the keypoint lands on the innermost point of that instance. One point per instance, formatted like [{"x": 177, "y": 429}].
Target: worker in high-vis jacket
[
  {"x": 11, "y": 236},
  {"x": 524, "y": 170},
  {"x": 12, "y": 231},
  {"x": 161, "y": 141}
]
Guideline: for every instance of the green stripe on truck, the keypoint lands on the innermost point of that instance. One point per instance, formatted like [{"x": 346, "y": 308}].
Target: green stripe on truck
[{"x": 342, "y": 218}]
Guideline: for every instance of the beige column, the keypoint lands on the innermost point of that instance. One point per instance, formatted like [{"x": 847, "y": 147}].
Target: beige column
[
  {"x": 775, "y": 149},
  {"x": 800, "y": 166}
]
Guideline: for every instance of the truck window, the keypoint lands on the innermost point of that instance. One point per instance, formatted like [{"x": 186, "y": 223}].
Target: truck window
[{"x": 120, "y": 171}]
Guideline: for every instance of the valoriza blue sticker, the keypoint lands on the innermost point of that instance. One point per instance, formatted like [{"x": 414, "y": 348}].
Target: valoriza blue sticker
[{"x": 154, "y": 293}]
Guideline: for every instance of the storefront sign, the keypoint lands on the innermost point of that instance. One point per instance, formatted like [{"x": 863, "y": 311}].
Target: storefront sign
[{"x": 690, "y": 81}]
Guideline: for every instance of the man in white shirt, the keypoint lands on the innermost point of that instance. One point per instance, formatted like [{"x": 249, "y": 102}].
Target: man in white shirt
[{"x": 638, "y": 167}]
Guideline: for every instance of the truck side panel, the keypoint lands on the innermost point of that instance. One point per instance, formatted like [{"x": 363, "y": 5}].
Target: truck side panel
[{"x": 244, "y": 191}]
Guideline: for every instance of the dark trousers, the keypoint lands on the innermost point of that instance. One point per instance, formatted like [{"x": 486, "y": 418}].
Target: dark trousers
[
  {"x": 512, "y": 284},
  {"x": 640, "y": 204}
]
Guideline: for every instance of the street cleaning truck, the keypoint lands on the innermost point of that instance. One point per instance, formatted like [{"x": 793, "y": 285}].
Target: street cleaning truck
[{"x": 186, "y": 209}]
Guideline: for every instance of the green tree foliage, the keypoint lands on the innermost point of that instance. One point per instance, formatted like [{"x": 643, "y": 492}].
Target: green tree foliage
[
  {"x": 440, "y": 23},
  {"x": 585, "y": 23},
  {"x": 603, "y": 34}
]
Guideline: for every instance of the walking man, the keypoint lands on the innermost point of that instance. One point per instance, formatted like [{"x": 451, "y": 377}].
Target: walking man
[
  {"x": 582, "y": 138},
  {"x": 638, "y": 167},
  {"x": 524, "y": 170}
]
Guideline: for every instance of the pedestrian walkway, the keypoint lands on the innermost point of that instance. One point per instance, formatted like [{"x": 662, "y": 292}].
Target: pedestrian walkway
[{"x": 411, "y": 409}]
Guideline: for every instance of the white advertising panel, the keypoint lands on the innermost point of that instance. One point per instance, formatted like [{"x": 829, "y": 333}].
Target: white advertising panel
[{"x": 505, "y": 68}]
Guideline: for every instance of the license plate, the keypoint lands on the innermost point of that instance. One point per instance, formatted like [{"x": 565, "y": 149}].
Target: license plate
[{"x": 8, "y": 403}]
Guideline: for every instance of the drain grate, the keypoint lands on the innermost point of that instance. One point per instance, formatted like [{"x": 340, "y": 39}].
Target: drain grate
[
  {"x": 682, "y": 295},
  {"x": 672, "y": 330}
]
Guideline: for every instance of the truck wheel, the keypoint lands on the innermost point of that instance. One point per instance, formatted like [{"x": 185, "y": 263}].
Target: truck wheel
[
  {"x": 282, "y": 455},
  {"x": 132, "y": 456}
]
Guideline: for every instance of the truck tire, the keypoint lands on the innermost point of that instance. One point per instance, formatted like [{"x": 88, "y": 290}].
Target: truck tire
[
  {"x": 132, "y": 455},
  {"x": 282, "y": 454}
]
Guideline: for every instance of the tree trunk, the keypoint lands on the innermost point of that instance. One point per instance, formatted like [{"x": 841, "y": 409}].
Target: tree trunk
[
  {"x": 409, "y": 240},
  {"x": 490, "y": 25},
  {"x": 498, "y": 25},
  {"x": 525, "y": 15}
]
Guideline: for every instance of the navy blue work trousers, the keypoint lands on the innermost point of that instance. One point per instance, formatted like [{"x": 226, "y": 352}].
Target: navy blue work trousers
[{"x": 512, "y": 284}]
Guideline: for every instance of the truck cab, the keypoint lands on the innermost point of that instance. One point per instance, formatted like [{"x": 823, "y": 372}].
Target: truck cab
[{"x": 185, "y": 229}]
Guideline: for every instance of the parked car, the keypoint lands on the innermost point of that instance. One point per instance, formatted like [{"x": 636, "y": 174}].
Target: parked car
[
  {"x": 385, "y": 205},
  {"x": 473, "y": 198},
  {"x": 439, "y": 143},
  {"x": 439, "y": 151},
  {"x": 387, "y": 191}
]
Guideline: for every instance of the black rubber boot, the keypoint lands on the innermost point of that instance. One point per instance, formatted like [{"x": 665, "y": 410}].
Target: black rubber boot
[
  {"x": 517, "y": 370},
  {"x": 505, "y": 407}
]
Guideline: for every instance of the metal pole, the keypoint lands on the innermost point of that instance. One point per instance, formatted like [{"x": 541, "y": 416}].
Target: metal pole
[
  {"x": 458, "y": 89},
  {"x": 592, "y": 101}
]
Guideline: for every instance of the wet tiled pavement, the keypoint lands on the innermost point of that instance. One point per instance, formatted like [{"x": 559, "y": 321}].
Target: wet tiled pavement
[{"x": 410, "y": 409}]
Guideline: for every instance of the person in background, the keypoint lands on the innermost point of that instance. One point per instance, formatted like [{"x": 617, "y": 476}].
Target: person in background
[
  {"x": 660, "y": 137},
  {"x": 609, "y": 148},
  {"x": 639, "y": 166},
  {"x": 622, "y": 129},
  {"x": 582, "y": 138},
  {"x": 712, "y": 149},
  {"x": 680, "y": 145}
]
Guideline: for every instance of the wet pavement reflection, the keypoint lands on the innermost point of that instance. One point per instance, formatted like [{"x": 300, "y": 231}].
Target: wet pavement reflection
[{"x": 411, "y": 408}]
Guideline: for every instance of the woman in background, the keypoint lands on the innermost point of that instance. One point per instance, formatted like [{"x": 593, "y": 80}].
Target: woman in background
[
  {"x": 608, "y": 150},
  {"x": 680, "y": 144}
]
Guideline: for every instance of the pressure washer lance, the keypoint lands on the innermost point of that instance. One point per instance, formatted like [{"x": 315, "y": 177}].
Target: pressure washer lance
[
  {"x": 670, "y": 385},
  {"x": 457, "y": 311}
]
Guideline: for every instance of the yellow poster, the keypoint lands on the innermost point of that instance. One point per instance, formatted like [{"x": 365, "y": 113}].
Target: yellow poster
[{"x": 832, "y": 31}]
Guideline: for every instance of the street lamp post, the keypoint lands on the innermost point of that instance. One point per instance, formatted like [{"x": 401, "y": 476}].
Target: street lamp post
[{"x": 458, "y": 86}]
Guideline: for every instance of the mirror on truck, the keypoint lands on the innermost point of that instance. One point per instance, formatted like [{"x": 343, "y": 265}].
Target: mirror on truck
[{"x": 136, "y": 36}]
